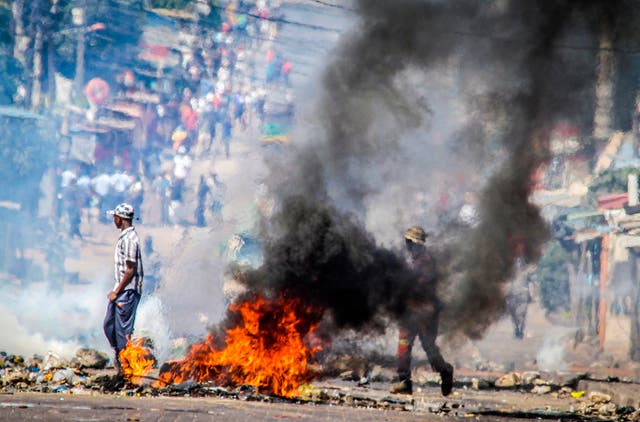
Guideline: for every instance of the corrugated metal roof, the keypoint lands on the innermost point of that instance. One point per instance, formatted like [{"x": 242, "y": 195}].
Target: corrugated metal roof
[{"x": 19, "y": 113}]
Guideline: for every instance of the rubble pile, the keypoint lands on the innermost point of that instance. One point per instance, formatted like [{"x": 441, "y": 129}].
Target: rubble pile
[
  {"x": 351, "y": 382},
  {"x": 50, "y": 373}
]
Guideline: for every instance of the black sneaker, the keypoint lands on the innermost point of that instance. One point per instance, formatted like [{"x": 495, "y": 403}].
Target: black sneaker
[
  {"x": 402, "y": 387},
  {"x": 447, "y": 380}
]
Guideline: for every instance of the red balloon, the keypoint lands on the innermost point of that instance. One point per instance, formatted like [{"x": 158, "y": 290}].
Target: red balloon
[{"x": 97, "y": 91}]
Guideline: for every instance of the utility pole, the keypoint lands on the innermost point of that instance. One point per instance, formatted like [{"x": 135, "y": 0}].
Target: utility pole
[
  {"x": 51, "y": 75},
  {"x": 634, "y": 315},
  {"x": 36, "y": 88},
  {"x": 51, "y": 19},
  {"x": 20, "y": 39},
  {"x": 40, "y": 23},
  {"x": 602, "y": 124},
  {"x": 78, "y": 19}
]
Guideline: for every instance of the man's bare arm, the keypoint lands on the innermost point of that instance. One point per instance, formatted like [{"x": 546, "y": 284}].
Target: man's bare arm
[{"x": 126, "y": 279}]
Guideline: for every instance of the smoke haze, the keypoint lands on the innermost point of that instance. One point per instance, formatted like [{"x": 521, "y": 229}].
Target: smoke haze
[
  {"x": 424, "y": 97},
  {"x": 421, "y": 98}
]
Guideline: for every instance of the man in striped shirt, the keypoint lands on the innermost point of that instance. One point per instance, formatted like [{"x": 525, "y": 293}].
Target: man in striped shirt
[{"x": 129, "y": 274}]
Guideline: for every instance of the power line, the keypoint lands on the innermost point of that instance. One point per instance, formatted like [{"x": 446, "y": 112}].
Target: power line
[
  {"x": 285, "y": 21},
  {"x": 327, "y": 4},
  {"x": 624, "y": 51}
]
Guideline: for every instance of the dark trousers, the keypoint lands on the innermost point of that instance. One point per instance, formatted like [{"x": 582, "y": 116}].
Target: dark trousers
[
  {"x": 425, "y": 326},
  {"x": 118, "y": 322}
]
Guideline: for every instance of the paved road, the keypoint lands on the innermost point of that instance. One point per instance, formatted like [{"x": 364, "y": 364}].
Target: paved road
[{"x": 55, "y": 407}]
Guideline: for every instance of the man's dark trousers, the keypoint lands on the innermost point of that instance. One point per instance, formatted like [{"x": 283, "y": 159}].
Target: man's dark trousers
[{"x": 121, "y": 315}]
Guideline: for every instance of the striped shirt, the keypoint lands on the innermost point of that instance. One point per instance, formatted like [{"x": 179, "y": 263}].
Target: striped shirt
[{"x": 128, "y": 249}]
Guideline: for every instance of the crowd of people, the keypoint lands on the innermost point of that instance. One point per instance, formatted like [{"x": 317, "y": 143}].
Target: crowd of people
[{"x": 192, "y": 112}]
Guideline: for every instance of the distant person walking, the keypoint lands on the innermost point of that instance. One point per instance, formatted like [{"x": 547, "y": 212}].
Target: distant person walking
[
  {"x": 203, "y": 191},
  {"x": 518, "y": 295},
  {"x": 129, "y": 274}
]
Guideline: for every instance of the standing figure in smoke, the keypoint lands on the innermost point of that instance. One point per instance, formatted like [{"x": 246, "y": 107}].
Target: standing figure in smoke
[
  {"x": 518, "y": 295},
  {"x": 129, "y": 274},
  {"x": 421, "y": 318}
]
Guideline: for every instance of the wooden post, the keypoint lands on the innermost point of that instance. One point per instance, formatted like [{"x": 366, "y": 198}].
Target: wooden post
[
  {"x": 604, "y": 281},
  {"x": 593, "y": 297},
  {"x": 634, "y": 335},
  {"x": 632, "y": 189},
  {"x": 579, "y": 295}
]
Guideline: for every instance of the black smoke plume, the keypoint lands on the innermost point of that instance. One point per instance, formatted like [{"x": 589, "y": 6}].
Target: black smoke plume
[
  {"x": 521, "y": 66},
  {"x": 326, "y": 257}
]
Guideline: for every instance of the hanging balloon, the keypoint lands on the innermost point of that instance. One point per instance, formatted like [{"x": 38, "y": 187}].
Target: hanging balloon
[{"x": 97, "y": 91}]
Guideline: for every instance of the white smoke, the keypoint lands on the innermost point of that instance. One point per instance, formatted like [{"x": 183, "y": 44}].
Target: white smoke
[
  {"x": 38, "y": 319},
  {"x": 551, "y": 356},
  {"x": 151, "y": 323},
  {"x": 18, "y": 339}
]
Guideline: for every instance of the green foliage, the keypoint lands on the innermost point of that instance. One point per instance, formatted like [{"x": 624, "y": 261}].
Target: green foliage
[
  {"x": 11, "y": 75},
  {"x": 26, "y": 149},
  {"x": 553, "y": 278},
  {"x": 5, "y": 23},
  {"x": 611, "y": 181},
  {"x": 169, "y": 4},
  {"x": 10, "y": 69}
]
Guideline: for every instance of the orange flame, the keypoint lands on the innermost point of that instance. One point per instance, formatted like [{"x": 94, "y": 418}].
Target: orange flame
[
  {"x": 136, "y": 361},
  {"x": 266, "y": 349}
]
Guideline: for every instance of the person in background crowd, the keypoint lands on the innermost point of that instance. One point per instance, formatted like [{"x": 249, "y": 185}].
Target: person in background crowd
[
  {"x": 181, "y": 166},
  {"x": 518, "y": 294},
  {"x": 101, "y": 186},
  {"x": 239, "y": 109},
  {"x": 162, "y": 185},
  {"x": 203, "y": 191},
  {"x": 66, "y": 178},
  {"x": 227, "y": 126},
  {"x": 153, "y": 265},
  {"x": 285, "y": 71},
  {"x": 84, "y": 195},
  {"x": 218, "y": 190},
  {"x": 73, "y": 205},
  {"x": 129, "y": 275},
  {"x": 135, "y": 194}
]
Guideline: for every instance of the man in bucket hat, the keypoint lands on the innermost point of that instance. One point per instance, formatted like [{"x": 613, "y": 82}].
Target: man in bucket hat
[
  {"x": 129, "y": 274},
  {"x": 421, "y": 318}
]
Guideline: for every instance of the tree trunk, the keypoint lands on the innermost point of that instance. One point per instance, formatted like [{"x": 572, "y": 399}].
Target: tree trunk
[
  {"x": 21, "y": 41},
  {"x": 51, "y": 76},
  {"x": 36, "y": 87}
]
